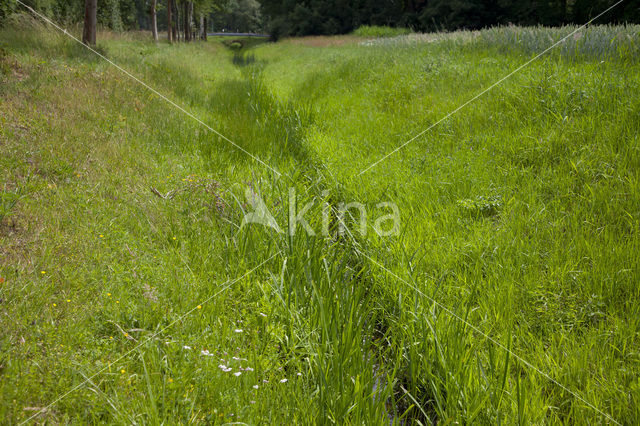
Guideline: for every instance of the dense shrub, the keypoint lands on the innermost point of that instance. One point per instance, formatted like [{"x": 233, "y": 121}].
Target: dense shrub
[{"x": 6, "y": 8}]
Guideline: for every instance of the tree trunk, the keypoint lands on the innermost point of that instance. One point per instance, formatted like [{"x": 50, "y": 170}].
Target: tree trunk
[
  {"x": 90, "y": 22},
  {"x": 169, "y": 22},
  {"x": 205, "y": 28},
  {"x": 176, "y": 24},
  {"x": 154, "y": 20},
  {"x": 185, "y": 18},
  {"x": 192, "y": 33}
]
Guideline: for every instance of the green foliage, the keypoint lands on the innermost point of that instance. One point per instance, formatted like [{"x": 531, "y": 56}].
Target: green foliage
[
  {"x": 5, "y": 69},
  {"x": 242, "y": 43},
  {"x": 291, "y": 17},
  {"x": 117, "y": 15},
  {"x": 294, "y": 17},
  {"x": 597, "y": 41},
  {"x": 378, "y": 31},
  {"x": 238, "y": 16},
  {"x": 6, "y": 8},
  {"x": 8, "y": 200},
  {"x": 110, "y": 15},
  {"x": 481, "y": 206}
]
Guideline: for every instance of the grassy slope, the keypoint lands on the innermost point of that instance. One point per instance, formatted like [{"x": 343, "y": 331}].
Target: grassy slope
[
  {"x": 521, "y": 211},
  {"x": 543, "y": 262}
]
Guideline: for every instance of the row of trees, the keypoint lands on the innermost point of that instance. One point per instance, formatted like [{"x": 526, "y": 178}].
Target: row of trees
[
  {"x": 190, "y": 19},
  {"x": 238, "y": 16},
  {"x": 181, "y": 22},
  {"x": 118, "y": 15},
  {"x": 180, "y": 19},
  {"x": 305, "y": 17}
]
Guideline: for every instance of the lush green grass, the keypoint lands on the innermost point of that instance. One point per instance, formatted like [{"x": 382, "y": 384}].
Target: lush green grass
[
  {"x": 379, "y": 31},
  {"x": 519, "y": 215}
]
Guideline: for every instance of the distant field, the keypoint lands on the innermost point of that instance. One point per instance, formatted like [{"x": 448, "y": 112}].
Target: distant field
[{"x": 130, "y": 288}]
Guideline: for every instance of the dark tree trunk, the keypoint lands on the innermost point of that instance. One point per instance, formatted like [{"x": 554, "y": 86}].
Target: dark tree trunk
[
  {"x": 154, "y": 20},
  {"x": 176, "y": 22},
  {"x": 192, "y": 33},
  {"x": 205, "y": 28},
  {"x": 90, "y": 22},
  {"x": 169, "y": 21},
  {"x": 202, "y": 28},
  {"x": 185, "y": 23}
]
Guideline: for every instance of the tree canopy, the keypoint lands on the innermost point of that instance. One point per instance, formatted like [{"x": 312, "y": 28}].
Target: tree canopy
[
  {"x": 311, "y": 17},
  {"x": 307, "y": 17}
]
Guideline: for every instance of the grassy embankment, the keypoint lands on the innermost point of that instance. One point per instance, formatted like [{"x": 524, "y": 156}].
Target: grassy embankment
[{"x": 519, "y": 214}]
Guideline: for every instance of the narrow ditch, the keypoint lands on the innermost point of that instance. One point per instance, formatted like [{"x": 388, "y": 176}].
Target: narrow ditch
[{"x": 288, "y": 123}]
